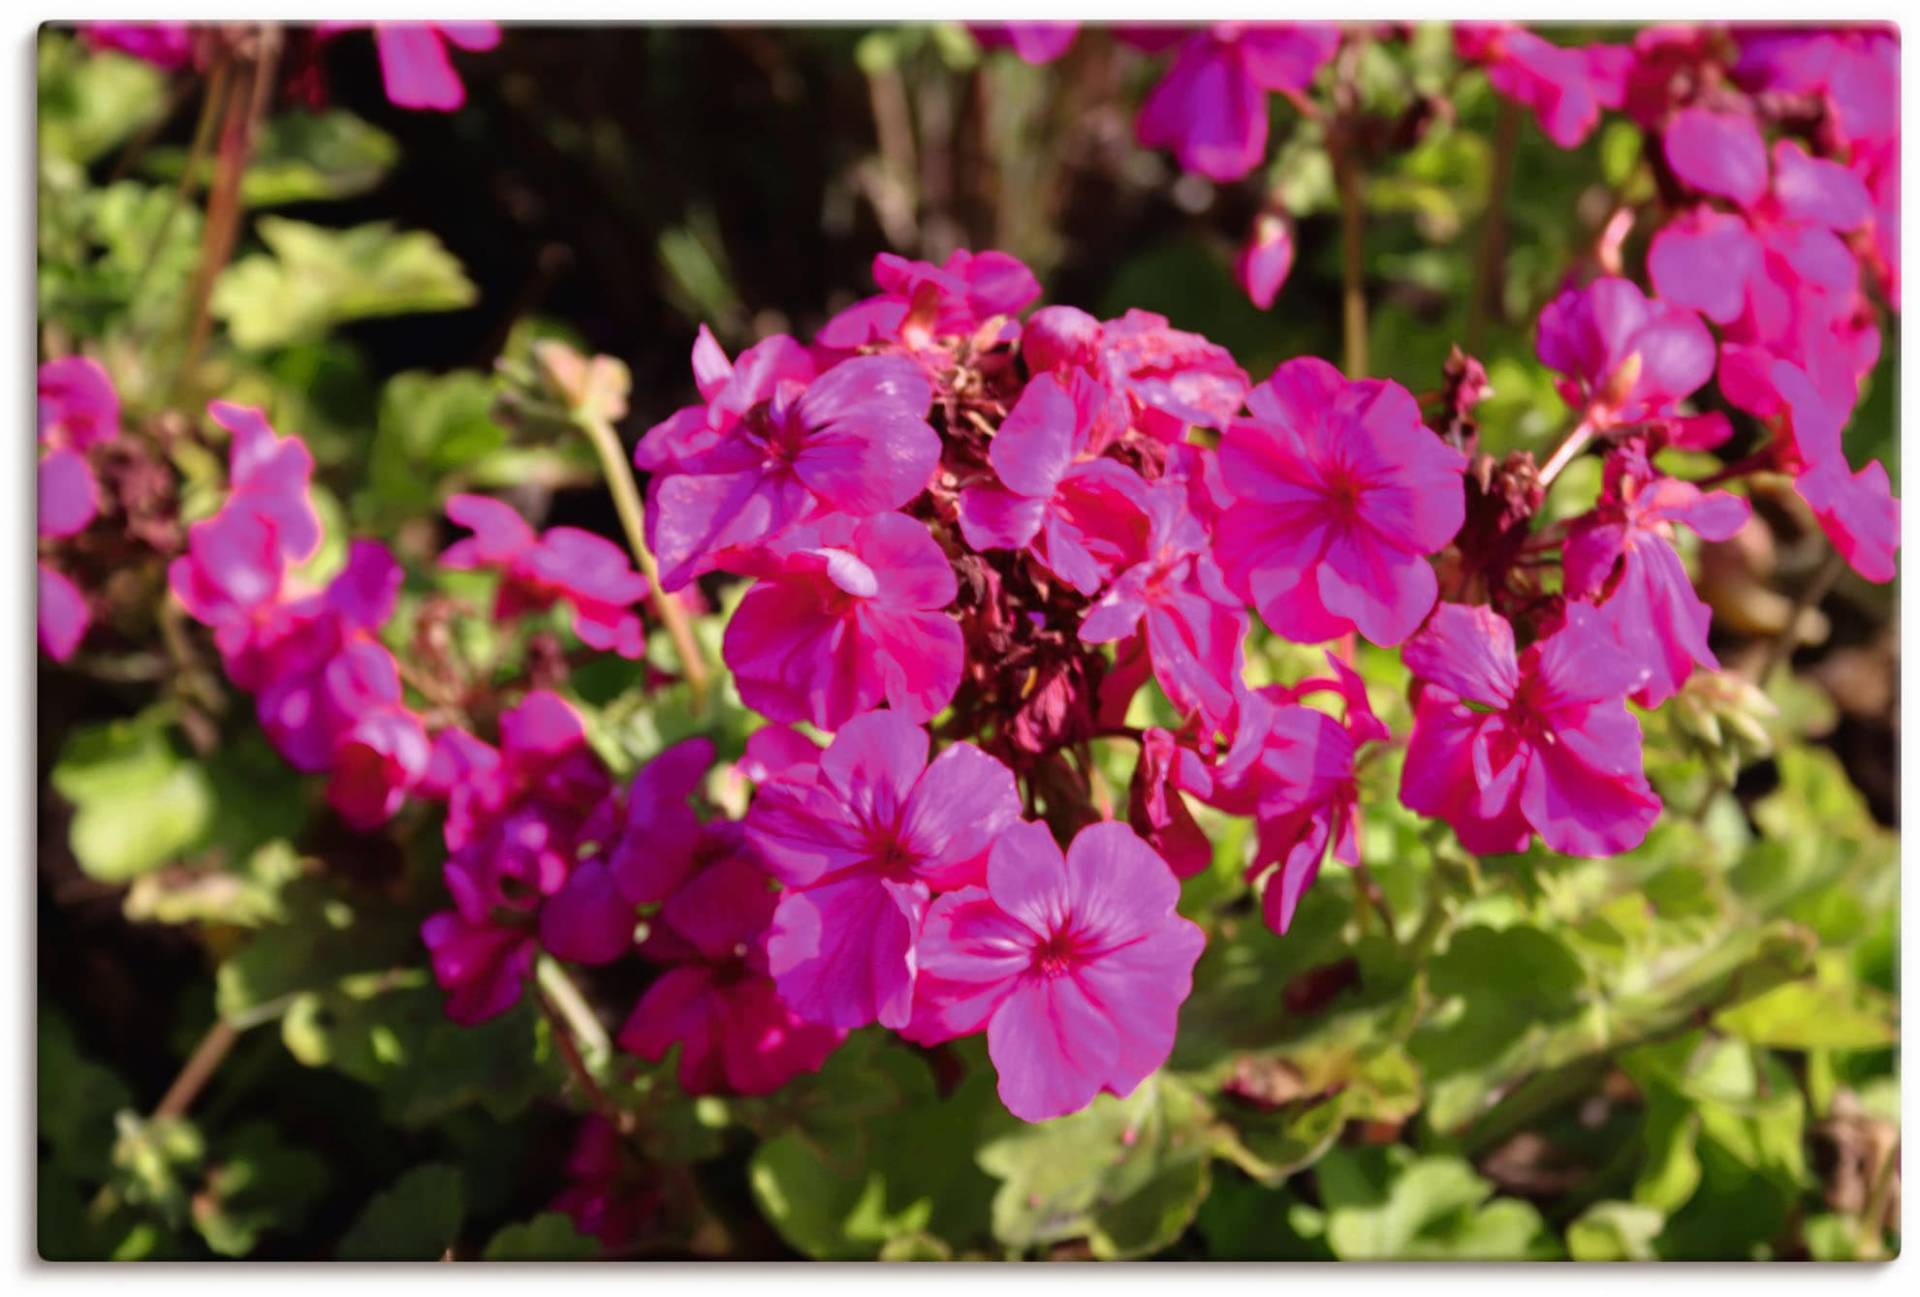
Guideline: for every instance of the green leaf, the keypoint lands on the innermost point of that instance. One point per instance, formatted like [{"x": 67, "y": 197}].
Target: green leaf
[
  {"x": 430, "y": 426},
  {"x": 550, "y": 1236},
  {"x": 77, "y": 1099},
  {"x": 874, "y": 1157},
  {"x": 256, "y": 1183},
  {"x": 301, "y": 158},
  {"x": 248, "y": 896},
  {"x": 415, "y": 1219},
  {"x": 1390, "y": 1204},
  {"x": 1814, "y": 1015},
  {"x": 138, "y": 802},
  {"x": 312, "y": 279},
  {"x": 1126, "y": 1174},
  {"x": 89, "y": 102},
  {"x": 1615, "y": 1231}
]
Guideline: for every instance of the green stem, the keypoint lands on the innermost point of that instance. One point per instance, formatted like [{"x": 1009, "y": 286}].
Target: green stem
[
  {"x": 633, "y": 519},
  {"x": 1486, "y": 295}
]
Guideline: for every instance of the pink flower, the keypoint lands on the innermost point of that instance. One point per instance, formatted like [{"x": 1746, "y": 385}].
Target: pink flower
[
  {"x": 1075, "y": 965},
  {"x": 716, "y": 1001},
  {"x": 68, "y": 495},
  {"x": 414, "y": 63},
  {"x": 1341, "y": 492},
  {"x": 1172, "y": 378},
  {"x": 1625, "y": 359},
  {"x": 1035, "y": 43},
  {"x": 848, "y": 616},
  {"x": 1053, "y": 482},
  {"x": 919, "y": 301},
  {"x": 382, "y": 755},
  {"x": 1621, "y": 556},
  {"x": 168, "y": 46},
  {"x": 1211, "y": 106},
  {"x": 1856, "y": 510},
  {"x": 853, "y": 441},
  {"x": 1194, "y": 625},
  {"x": 1264, "y": 264},
  {"x": 78, "y": 406},
  {"x": 483, "y": 967},
  {"x": 661, "y": 837},
  {"x": 588, "y": 571},
  {"x": 1564, "y": 87},
  {"x": 610, "y": 1196},
  {"x": 269, "y": 476},
  {"x": 63, "y": 614},
  {"x": 860, "y": 847},
  {"x": 1503, "y": 747}
]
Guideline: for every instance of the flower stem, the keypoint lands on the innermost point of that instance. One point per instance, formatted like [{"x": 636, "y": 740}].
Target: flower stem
[
  {"x": 633, "y": 519},
  {"x": 1564, "y": 454},
  {"x": 199, "y": 1069},
  {"x": 1353, "y": 288},
  {"x": 1487, "y": 289}
]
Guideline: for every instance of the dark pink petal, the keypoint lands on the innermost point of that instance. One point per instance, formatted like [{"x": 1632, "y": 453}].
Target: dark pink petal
[
  {"x": 1718, "y": 153},
  {"x": 795, "y": 658},
  {"x": 78, "y": 406},
  {"x": 805, "y": 832},
  {"x": 1035, "y": 443},
  {"x": 954, "y": 814},
  {"x": 655, "y": 851},
  {"x": 907, "y": 561},
  {"x": 919, "y": 655},
  {"x": 1858, "y": 513},
  {"x": 363, "y": 592},
  {"x": 1267, "y": 259},
  {"x": 677, "y": 1009},
  {"x": 63, "y": 614},
  {"x": 68, "y": 495},
  {"x": 1817, "y": 190},
  {"x": 1580, "y": 810},
  {"x": 1385, "y": 592},
  {"x": 971, "y": 954},
  {"x": 1285, "y": 56},
  {"x": 842, "y": 952},
  {"x": 375, "y": 764},
  {"x": 1060, "y": 337},
  {"x": 483, "y": 969},
  {"x": 1439, "y": 779},
  {"x": 1467, "y": 651},
  {"x": 415, "y": 67},
  {"x": 472, "y": 36},
  {"x": 1140, "y": 988},
  {"x": 722, "y": 908},
  {"x": 1035, "y": 43},
  {"x": 1208, "y": 110},
  {"x": 500, "y": 534},
  {"x": 1703, "y": 259},
  {"x": 1582, "y": 662},
  {"x": 873, "y": 764},
  {"x": 992, "y": 517},
  {"x": 587, "y": 921}
]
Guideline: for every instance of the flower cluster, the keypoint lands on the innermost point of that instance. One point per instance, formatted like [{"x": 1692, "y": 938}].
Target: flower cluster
[{"x": 79, "y": 410}]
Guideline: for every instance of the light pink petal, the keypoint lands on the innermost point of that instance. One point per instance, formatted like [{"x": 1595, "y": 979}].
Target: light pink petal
[
  {"x": 842, "y": 952},
  {"x": 957, "y": 809},
  {"x": 1718, "y": 153}
]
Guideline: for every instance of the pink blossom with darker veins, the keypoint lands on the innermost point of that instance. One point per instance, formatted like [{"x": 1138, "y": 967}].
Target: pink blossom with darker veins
[
  {"x": 1506, "y": 745},
  {"x": 1341, "y": 493},
  {"x": 1075, "y": 965},
  {"x": 852, "y": 441},
  {"x": 589, "y": 572},
  {"x": 1210, "y": 107},
  {"x": 860, "y": 846},
  {"x": 1623, "y": 357},
  {"x": 846, "y": 616}
]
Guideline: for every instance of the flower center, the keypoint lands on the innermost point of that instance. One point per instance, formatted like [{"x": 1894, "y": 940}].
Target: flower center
[{"x": 1059, "y": 954}]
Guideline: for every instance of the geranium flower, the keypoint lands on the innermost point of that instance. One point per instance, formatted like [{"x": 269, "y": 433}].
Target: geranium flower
[
  {"x": 860, "y": 847},
  {"x": 1651, "y": 603},
  {"x": 716, "y": 1000},
  {"x": 63, "y": 614},
  {"x": 1505, "y": 746},
  {"x": 1194, "y": 625},
  {"x": 414, "y": 64},
  {"x": 1624, "y": 358},
  {"x": 379, "y": 758},
  {"x": 847, "y": 616},
  {"x": 1856, "y": 509},
  {"x": 1341, "y": 492},
  {"x": 1564, "y": 87},
  {"x": 1210, "y": 108},
  {"x": 68, "y": 495},
  {"x": 590, "y": 572},
  {"x": 660, "y": 837},
  {"x": 1055, "y": 492},
  {"x": 919, "y": 301},
  {"x": 853, "y": 441},
  {"x": 270, "y": 476},
  {"x": 1076, "y": 965}
]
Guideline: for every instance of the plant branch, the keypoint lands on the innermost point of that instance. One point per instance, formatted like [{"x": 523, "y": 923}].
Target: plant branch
[
  {"x": 1781, "y": 648},
  {"x": 1486, "y": 292},
  {"x": 198, "y": 1069}
]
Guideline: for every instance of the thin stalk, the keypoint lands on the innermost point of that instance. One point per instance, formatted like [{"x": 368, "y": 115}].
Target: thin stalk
[
  {"x": 1817, "y": 589},
  {"x": 1353, "y": 287},
  {"x": 198, "y": 1070},
  {"x": 1576, "y": 441},
  {"x": 1493, "y": 235},
  {"x": 633, "y": 520}
]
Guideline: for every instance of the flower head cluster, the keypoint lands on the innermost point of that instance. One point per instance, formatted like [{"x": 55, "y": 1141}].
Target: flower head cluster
[{"x": 79, "y": 410}]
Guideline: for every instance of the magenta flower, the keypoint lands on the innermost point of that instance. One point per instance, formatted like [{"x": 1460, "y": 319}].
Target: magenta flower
[
  {"x": 231, "y": 579},
  {"x": 483, "y": 967},
  {"x": 78, "y": 406},
  {"x": 1856, "y": 510},
  {"x": 847, "y": 616},
  {"x": 1341, "y": 491},
  {"x": 63, "y": 614},
  {"x": 853, "y": 441},
  {"x": 590, "y": 572},
  {"x": 1621, "y": 557},
  {"x": 1564, "y": 87},
  {"x": 1264, "y": 264},
  {"x": 1505, "y": 746},
  {"x": 1194, "y": 625},
  {"x": 1076, "y": 965},
  {"x": 1210, "y": 108},
  {"x": 1172, "y": 378},
  {"x": 919, "y": 301},
  {"x": 68, "y": 495},
  {"x": 381, "y": 756},
  {"x": 1624, "y": 358},
  {"x": 860, "y": 848},
  {"x": 610, "y": 1195},
  {"x": 269, "y": 475},
  {"x": 1055, "y": 492},
  {"x": 168, "y": 46},
  {"x": 1718, "y": 153},
  {"x": 1035, "y": 43},
  {"x": 661, "y": 837},
  {"x": 716, "y": 1000},
  {"x": 414, "y": 64}
]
